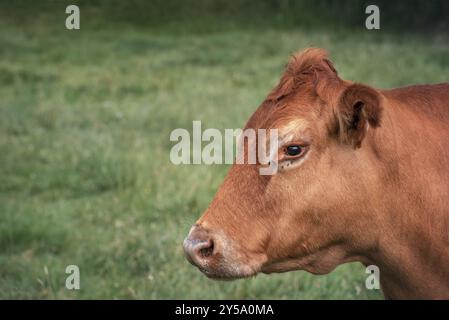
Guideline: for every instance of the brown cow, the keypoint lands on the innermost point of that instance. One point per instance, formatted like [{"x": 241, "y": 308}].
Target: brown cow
[{"x": 363, "y": 176}]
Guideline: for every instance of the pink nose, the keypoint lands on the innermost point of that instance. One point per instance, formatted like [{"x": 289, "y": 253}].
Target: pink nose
[{"x": 198, "y": 246}]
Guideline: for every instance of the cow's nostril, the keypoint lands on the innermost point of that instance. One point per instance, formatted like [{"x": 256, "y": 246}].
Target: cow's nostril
[
  {"x": 207, "y": 250},
  {"x": 199, "y": 245},
  {"x": 197, "y": 251}
]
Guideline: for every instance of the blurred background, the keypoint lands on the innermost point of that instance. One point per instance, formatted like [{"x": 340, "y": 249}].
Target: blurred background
[{"x": 85, "y": 119}]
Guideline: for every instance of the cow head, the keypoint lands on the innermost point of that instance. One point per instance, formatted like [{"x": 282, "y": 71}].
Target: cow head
[{"x": 310, "y": 215}]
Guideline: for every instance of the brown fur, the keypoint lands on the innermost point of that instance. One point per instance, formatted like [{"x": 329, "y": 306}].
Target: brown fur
[{"x": 374, "y": 187}]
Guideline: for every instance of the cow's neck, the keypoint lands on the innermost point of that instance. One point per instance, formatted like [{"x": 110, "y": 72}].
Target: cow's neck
[
  {"x": 412, "y": 246},
  {"x": 408, "y": 274}
]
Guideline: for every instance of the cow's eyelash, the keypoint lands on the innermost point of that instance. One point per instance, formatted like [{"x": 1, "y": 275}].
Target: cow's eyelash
[
  {"x": 290, "y": 163},
  {"x": 283, "y": 152},
  {"x": 286, "y": 163}
]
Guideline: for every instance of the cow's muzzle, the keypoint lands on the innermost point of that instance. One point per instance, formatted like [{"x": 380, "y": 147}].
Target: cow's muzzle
[{"x": 199, "y": 246}]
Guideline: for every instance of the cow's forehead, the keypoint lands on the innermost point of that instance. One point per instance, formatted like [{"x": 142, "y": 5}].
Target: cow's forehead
[
  {"x": 293, "y": 111},
  {"x": 290, "y": 129}
]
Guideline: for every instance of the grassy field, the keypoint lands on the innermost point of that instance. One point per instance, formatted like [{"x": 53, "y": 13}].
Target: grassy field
[{"x": 85, "y": 118}]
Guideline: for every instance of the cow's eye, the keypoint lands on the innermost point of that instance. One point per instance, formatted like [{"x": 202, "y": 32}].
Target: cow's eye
[{"x": 293, "y": 150}]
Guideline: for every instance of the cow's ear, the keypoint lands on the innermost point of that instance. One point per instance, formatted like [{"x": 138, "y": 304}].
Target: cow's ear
[{"x": 359, "y": 109}]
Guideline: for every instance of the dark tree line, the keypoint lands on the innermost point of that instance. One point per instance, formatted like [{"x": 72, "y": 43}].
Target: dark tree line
[{"x": 396, "y": 15}]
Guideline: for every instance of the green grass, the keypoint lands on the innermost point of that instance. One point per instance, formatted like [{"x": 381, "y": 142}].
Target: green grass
[{"x": 85, "y": 118}]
